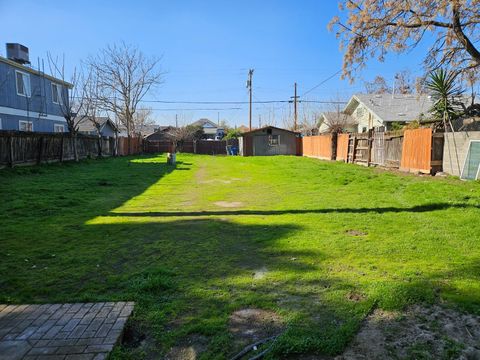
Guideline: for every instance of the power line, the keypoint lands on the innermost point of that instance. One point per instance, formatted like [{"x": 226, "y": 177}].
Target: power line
[
  {"x": 322, "y": 82},
  {"x": 199, "y": 109},
  {"x": 239, "y": 102}
]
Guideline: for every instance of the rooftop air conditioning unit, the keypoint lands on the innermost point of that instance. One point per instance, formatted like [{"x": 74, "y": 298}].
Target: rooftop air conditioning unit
[{"x": 18, "y": 53}]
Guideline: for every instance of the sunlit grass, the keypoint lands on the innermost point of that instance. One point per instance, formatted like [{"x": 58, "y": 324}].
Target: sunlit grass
[{"x": 165, "y": 237}]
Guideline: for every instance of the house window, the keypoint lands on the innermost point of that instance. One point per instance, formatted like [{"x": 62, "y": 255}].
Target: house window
[
  {"x": 359, "y": 112},
  {"x": 56, "y": 93},
  {"x": 23, "y": 83},
  {"x": 58, "y": 128},
  {"x": 25, "y": 125},
  {"x": 273, "y": 140}
]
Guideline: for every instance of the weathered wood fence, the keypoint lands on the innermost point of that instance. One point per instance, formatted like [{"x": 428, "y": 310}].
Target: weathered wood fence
[
  {"x": 206, "y": 147},
  {"x": 417, "y": 150},
  {"x": 18, "y": 148}
]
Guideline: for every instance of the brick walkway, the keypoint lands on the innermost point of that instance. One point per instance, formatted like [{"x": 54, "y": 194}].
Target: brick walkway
[{"x": 61, "y": 331}]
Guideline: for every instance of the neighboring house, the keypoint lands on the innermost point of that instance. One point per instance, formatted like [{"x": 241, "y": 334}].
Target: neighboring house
[
  {"x": 29, "y": 99},
  {"x": 87, "y": 126},
  {"x": 334, "y": 120},
  {"x": 160, "y": 134},
  {"x": 374, "y": 110},
  {"x": 143, "y": 131},
  {"x": 269, "y": 140},
  {"x": 211, "y": 130}
]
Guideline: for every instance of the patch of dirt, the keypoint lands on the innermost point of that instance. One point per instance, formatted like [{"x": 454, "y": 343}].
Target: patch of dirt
[
  {"x": 260, "y": 273},
  {"x": 250, "y": 325},
  {"x": 356, "y": 232},
  {"x": 228, "y": 204},
  {"x": 417, "y": 333},
  {"x": 189, "y": 349},
  {"x": 139, "y": 342},
  {"x": 355, "y": 296}
]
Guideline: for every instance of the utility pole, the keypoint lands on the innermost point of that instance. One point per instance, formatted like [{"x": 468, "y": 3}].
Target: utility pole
[
  {"x": 295, "y": 98},
  {"x": 259, "y": 121},
  {"x": 249, "y": 87},
  {"x": 176, "y": 120}
]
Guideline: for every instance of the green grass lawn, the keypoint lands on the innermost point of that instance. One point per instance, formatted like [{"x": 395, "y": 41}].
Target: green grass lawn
[{"x": 334, "y": 239}]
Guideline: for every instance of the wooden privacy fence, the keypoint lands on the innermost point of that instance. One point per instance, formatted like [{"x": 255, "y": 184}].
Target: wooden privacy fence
[
  {"x": 206, "y": 147},
  {"x": 34, "y": 148},
  {"x": 422, "y": 151},
  {"x": 319, "y": 146},
  {"x": 417, "y": 150},
  {"x": 342, "y": 147},
  {"x": 136, "y": 146}
]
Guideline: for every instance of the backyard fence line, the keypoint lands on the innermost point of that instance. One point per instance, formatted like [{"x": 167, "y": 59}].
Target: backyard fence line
[
  {"x": 205, "y": 147},
  {"x": 416, "y": 150},
  {"x": 319, "y": 146},
  {"x": 29, "y": 148}
]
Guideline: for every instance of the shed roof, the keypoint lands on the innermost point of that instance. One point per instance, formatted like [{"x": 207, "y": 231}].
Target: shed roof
[{"x": 269, "y": 127}]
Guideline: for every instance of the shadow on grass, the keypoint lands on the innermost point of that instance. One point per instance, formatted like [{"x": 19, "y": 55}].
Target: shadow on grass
[{"x": 378, "y": 210}]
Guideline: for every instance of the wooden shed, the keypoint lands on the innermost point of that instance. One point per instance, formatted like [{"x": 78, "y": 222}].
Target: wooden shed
[{"x": 270, "y": 140}]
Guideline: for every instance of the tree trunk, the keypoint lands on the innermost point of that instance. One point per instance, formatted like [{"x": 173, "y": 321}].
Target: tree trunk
[
  {"x": 61, "y": 148},
  {"x": 99, "y": 145},
  {"x": 74, "y": 144},
  {"x": 115, "y": 145}
]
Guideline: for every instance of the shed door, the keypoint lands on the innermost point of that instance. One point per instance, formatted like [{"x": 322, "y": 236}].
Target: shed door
[{"x": 260, "y": 145}]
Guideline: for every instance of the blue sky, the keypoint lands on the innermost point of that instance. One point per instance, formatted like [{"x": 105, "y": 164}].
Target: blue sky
[{"x": 206, "y": 47}]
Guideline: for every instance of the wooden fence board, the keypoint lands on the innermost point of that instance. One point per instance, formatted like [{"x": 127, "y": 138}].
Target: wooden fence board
[
  {"x": 318, "y": 146},
  {"x": 417, "y": 151},
  {"x": 342, "y": 147}
]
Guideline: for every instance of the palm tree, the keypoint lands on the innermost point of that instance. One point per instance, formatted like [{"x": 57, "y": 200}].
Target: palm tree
[{"x": 445, "y": 92}]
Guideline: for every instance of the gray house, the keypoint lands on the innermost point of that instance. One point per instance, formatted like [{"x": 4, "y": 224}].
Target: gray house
[
  {"x": 30, "y": 100},
  {"x": 106, "y": 126}
]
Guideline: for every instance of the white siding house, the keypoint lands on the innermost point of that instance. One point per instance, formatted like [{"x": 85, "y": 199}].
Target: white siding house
[{"x": 373, "y": 110}]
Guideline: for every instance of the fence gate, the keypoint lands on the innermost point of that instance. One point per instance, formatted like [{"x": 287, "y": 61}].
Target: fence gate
[{"x": 378, "y": 151}]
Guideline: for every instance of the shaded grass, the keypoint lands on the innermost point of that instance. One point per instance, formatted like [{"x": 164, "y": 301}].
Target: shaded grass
[{"x": 136, "y": 229}]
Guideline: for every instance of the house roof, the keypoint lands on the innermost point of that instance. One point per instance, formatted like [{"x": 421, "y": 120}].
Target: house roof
[
  {"x": 388, "y": 107},
  {"x": 35, "y": 72},
  {"x": 203, "y": 122},
  {"x": 269, "y": 127},
  {"x": 86, "y": 124},
  {"x": 334, "y": 115}
]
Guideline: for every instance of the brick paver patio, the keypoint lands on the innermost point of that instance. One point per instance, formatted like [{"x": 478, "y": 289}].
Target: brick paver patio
[{"x": 81, "y": 331}]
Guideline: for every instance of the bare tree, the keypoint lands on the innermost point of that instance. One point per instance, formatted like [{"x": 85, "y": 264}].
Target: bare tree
[
  {"x": 375, "y": 27},
  {"x": 125, "y": 77},
  {"x": 70, "y": 100},
  {"x": 142, "y": 119},
  {"x": 179, "y": 135},
  {"x": 92, "y": 107},
  {"x": 378, "y": 86},
  {"x": 404, "y": 83},
  {"x": 336, "y": 121}
]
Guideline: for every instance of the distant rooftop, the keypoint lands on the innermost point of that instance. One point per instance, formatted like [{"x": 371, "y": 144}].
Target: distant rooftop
[{"x": 388, "y": 107}]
